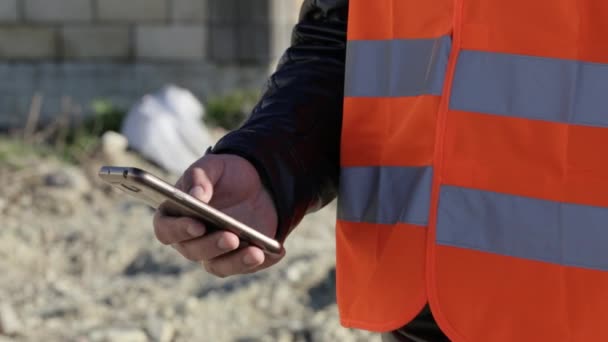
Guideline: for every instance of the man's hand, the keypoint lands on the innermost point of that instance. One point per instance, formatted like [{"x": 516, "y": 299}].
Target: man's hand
[{"x": 231, "y": 184}]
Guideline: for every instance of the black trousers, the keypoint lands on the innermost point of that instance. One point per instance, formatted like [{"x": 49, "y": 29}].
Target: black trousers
[{"x": 423, "y": 328}]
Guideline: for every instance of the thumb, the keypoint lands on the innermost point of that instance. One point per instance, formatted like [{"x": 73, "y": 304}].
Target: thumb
[{"x": 204, "y": 174}]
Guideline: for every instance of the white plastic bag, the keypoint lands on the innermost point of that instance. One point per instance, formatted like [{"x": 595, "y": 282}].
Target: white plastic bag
[{"x": 166, "y": 127}]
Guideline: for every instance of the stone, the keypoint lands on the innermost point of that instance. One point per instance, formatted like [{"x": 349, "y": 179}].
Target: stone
[
  {"x": 59, "y": 311},
  {"x": 118, "y": 334},
  {"x": 95, "y": 42},
  {"x": 62, "y": 192},
  {"x": 113, "y": 146},
  {"x": 57, "y": 179},
  {"x": 283, "y": 335},
  {"x": 10, "y": 324},
  {"x": 149, "y": 263},
  {"x": 68, "y": 177},
  {"x": 157, "y": 42},
  {"x": 295, "y": 272},
  {"x": 323, "y": 294},
  {"x": 114, "y": 142},
  {"x": 160, "y": 330},
  {"x": 58, "y": 10}
]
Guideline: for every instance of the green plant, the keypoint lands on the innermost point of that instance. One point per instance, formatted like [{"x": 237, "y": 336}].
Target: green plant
[
  {"x": 15, "y": 152},
  {"x": 106, "y": 117},
  {"x": 82, "y": 138},
  {"x": 229, "y": 111},
  {"x": 65, "y": 139},
  {"x": 71, "y": 141}
]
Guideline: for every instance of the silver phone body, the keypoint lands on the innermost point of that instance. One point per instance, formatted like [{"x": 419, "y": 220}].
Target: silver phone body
[{"x": 156, "y": 193}]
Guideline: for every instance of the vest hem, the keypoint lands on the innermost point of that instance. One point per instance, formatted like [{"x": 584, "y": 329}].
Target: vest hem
[{"x": 375, "y": 327}]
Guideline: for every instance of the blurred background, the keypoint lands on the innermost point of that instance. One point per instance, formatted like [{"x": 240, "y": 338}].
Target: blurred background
[{"x": 147, "y": 83}]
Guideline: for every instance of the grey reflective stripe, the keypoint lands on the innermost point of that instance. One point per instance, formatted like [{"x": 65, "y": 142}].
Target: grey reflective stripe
[
  {"x": 385, "y": 195},
  {"x": 560, "y": 233},
  {"x": 399, "y": 67},
  {"x": 557, "y": 90}
]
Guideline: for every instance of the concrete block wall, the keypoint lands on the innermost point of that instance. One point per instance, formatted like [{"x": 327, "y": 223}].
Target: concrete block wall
[
  {"x": 8, "y": 11},
  {"x": 57, "y": 10},
  {"x": 40, "y": 37},
  {"x": 222, "y": 31},
  {"x": 141, "y": 11}
]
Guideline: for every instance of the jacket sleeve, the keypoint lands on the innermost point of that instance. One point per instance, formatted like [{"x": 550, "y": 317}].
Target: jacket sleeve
[{"x": 293, "y": 134}]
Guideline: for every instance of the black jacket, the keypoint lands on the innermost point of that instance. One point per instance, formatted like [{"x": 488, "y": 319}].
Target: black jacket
[{"x": 293, "y": 135}]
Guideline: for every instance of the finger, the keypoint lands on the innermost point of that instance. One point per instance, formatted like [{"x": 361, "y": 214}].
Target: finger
[
  {"x": 169, "y": 229},
  {"x": 208, "y": 247},
  {"x": 269, "y": 260},
  {"x": 245, "y": 260}
]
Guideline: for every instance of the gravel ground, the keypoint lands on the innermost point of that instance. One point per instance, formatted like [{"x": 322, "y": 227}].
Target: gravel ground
[{"x": 80, "y": 263}]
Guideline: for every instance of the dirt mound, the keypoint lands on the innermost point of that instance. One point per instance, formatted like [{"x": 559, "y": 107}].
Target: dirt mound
[{"x": 80, "y": 263}]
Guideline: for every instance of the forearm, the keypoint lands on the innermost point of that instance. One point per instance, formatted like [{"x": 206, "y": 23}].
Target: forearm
[{"x": 293, "y": 135}]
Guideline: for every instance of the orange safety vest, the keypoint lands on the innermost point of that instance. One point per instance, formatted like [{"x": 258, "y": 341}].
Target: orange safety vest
[{"x": 475, "y": 168}]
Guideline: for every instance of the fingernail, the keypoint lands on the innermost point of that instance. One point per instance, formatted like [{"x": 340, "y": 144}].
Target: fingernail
[
  {"x": 195, "y": 231},
  {"x": 249, "y": 260},
  {"x": 198, "y": 192},
  {"x": 223, "y": 244}
]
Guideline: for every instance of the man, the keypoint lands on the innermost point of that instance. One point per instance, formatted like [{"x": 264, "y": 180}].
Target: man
[{"x": 472, "y": 176}]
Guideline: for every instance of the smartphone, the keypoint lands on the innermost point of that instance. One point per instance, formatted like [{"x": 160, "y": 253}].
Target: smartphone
[{"x": 161, "y": 195}]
